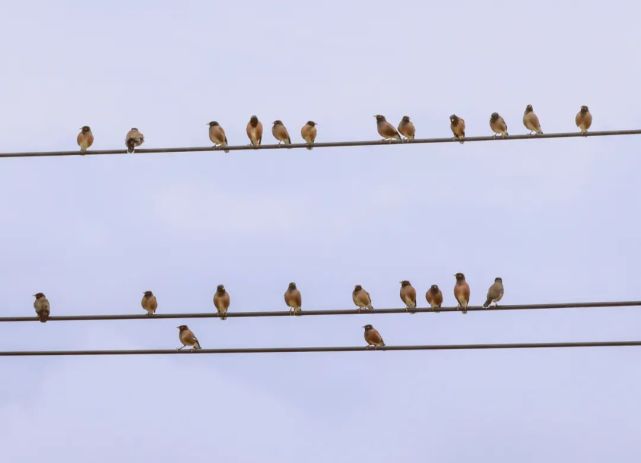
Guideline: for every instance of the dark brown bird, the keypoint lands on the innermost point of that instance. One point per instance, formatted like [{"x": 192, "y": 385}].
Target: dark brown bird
[
  {"x": 280, "y": 133},
  {"x": 255, "y": 131},
  {"x": 293, "y": 299},
  {"x": 361, "y": 298},
  {"x": 495, "y": 293},
  {"x": 385, "y": 129},
  {"x": 406, "y": 128},
  {"x": 217, "y": 135},
  {"x": 531, "y": 121},
  {"x": 408, "y": 295},
  {"x": 187, "y": 338},
  {"x": 43, "y": 309},
  {"x": 133, "y": 139},
  {"x": 308, "y": 132},
  {"x": 583, "y": 119},
  {"x": 373, "y": 337},
  {"x": 498, "y": 125},
  {"x": 462, "y": 292},
  {"x": 434, "y": 298},
  {"x": 149, "y": 303},
  {"x": 221, "y": 301},
  {"x": 457, "y": 125},
  {"x": 85, "y": 138}
]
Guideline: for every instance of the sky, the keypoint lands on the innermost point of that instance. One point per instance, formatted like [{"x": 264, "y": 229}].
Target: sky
[{"x": 557, "y": 219}]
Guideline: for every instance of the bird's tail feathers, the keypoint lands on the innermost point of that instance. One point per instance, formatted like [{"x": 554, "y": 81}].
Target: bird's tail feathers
[
  {"x": 43, "y": 315},
  {"x": 131, "y": 145}
]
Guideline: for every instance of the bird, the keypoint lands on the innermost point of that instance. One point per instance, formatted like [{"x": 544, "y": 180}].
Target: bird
[
  {"x": 293, "y": 299},
  {"x": 187, "y": 338},
  {"x": 531, "y": 121},
  {"x": 43, "y": 309},
  {"x": 495, "y": 293},
  {"x": 221, "y": 301},
  {"x": 149, "y": 303},
  {"x": 457, "y": 124},
  {"x": 408, "y": 295},
  {"x": 385, "y": 129},
  {"x": 85, "y": 138},
  {"x": 462, "y": 292},
  {"x": 217, "y": 135},
  {"x": 434, "y": 298},
  {"x": 361, "y": 298},
  {"x": 255, "y": 131},
  {"x": 583, "y": 119},
  {"x": 134, "y": 138},
  {"x": 280, "y": 133},
  {"x": 373, "y": 337},
  {"x": 406, "y": 128},
  {"x": 308, "y": 132},
  {"x": 498, "y": 125}
]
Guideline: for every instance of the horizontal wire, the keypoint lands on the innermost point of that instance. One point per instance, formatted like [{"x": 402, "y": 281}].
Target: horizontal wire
[
  {"x": 282, "y": 350},
  {"x": 337, "y": 144},
  {"x": 287, "y": 313}
]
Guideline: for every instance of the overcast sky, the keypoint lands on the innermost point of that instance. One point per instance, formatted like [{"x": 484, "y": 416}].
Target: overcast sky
[{"x": 557, "y": 219}]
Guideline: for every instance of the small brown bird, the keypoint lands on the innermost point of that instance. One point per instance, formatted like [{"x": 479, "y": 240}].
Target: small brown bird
[
  {"x": 373, "y": 337},
  {"x": 531, "y": 121},
  {"x": 85, "y": 138},
  {"x": 133, "y": 139},
  {"x": 43, "y": 309},
  {"x": 255, "y": 131},
  {"x": 293, "y": 299},
  {"x": 217, "y": 135},
  {"x": 434, "y": 298},
  {"x": 187, "y": 338},
  {"x": 308, "y": 132},
  {"x": 495, "y": 293},
  {"x": 583, "y": 119},
  {"x": 498, "y": 125},
  {"x": 361, "y": 298},
  {"x": 149, "y": 303},
  {"x": 221, "y": 301},
  {"x": 280, "y": 133},
  {"x": 457, "y": 124},
  {"x": 408, "y": 295},
  {"x": 385, "y": 129},
  {"x": 406, "y": 128},
  {"x": 462, "y": 292}
]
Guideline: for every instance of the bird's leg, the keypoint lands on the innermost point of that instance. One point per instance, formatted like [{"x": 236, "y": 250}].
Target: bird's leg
[{"x": 181, "y": 348}]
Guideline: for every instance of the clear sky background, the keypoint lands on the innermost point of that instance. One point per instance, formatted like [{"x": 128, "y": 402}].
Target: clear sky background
[{"x": 557, "y": 219}]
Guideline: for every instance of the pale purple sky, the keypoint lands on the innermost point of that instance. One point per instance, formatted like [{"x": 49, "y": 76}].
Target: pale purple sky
[{"x": 557, "y": 219}]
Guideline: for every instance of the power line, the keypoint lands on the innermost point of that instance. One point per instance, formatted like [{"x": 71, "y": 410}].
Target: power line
[
  {"x": 282, "y": 350},
  {"x": 193, "y": 149},
  {"x": 286, "y": 313}
]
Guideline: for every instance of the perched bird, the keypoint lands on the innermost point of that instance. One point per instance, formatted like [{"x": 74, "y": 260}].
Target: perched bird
[
  {"x": 495, "y": 293},
  {"x": 462, "y": 292},
  {"x": 531, "y": 121},
  {"x": 280, "y": 133},
  {"x": 149, "y": 303},
  {"x": 217, "y": 135},
  {"x": 408, "y": 295},
  {"x": 373, "y": 337},
  {"x": 85, "y": 138},
  {"x": 43, "y": 309},
  {"x": 293, "y": 299},
  {"x": 385, "y": 129},
  {"x": 255, "y": 131},
  {"x": 457, "y": 125},
  {"x": 361, "y": 298},
  {"x": 406, "y": 128},
  {"x": 221, "y": 301},
  {"x": 308, "y": 132},
  {"x": 187, "y": 338},
  {"x": 583, "y": 119},
  {"x": 498, "y": 125},
  {"x": 434, "y": 298},
  {"x": 134, "y": 138}
]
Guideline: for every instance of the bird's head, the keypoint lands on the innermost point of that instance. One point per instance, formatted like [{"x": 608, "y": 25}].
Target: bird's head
[
  {"x": 434, "y": 288},
  {"x": 148, "y": 294},
  {"x": 357, "y": 288},
  {"x": 278, "y": 122},
  {"x": 405, "y": 283},
  {"x": 368, "y": 327},
  {"x": 253, "y": 121},
  {"x": 379, "y": 118},
  {"x": 311, "y": 123},
  {"x": 406, "y": 119},
  {"x": 292, "y": 286},
  {"x": 494, "y": 117},
  {"x": 584, "y": 109},
  {"x": 213, "y": 124},
  {"x": 459, "y": 276},
  {"x": 85, "y": 129},
  {"x": 498, "y": 280},
  {"x": 182, "y": 327},
  {"x": 220, "y": 288},
  {"x": 529, "y": 109},
  {"x": 453, "y": 118},
  {"x": 39, "y": 295}
]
